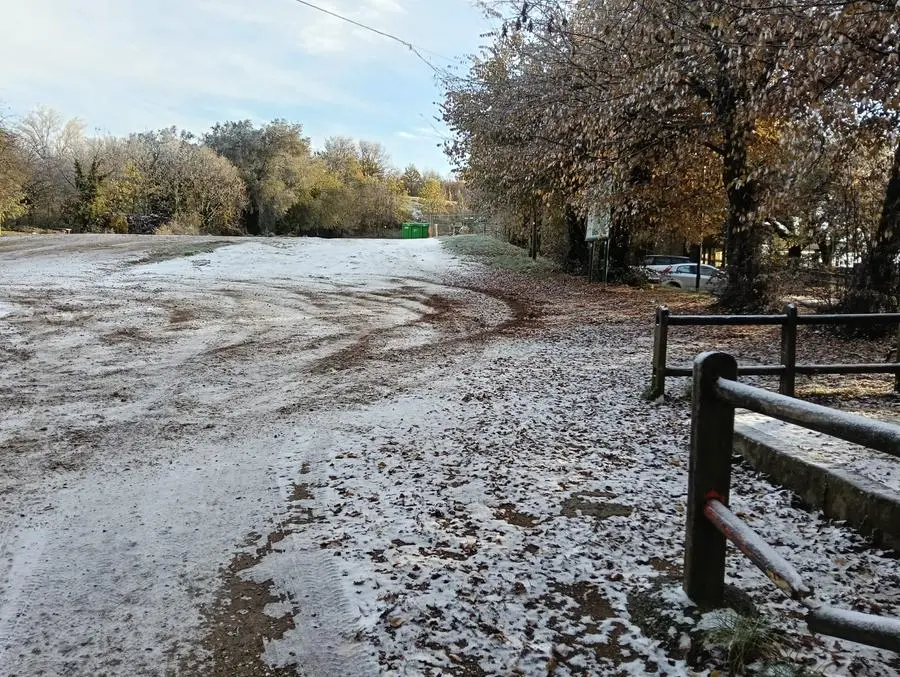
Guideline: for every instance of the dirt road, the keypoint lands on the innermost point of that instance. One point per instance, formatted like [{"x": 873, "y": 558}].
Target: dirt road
[{"x": 261, "y": 457}]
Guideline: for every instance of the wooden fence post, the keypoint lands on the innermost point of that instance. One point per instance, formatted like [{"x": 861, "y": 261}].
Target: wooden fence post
[
  {"x": 660, "y": 343},
  {"x": 712, "y": 432},
  {"x": 789, "y": 351}
]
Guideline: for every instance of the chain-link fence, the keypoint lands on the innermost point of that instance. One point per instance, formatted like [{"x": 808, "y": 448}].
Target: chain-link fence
[
  {"x": 813, "y": 286},
  {"x": 464, "y": 223}
]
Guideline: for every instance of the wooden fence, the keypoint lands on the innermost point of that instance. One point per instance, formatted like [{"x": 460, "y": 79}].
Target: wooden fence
[
  {"x": 788, "y": 369},
  {"x": 710, "y": 523}
]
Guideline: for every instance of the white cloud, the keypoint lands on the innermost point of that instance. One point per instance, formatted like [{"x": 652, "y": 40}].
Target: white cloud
[
  {"x": 301, "y": 28},
  {"x": 125, "y": 64},
  {"x": 194, "y": 49}
]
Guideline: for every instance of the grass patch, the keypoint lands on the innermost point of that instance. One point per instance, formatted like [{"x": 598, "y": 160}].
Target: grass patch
[
  {"x": 834, "y": 394},
  {"x": 751, "y": 645},
  {"x": 177, "y": 250},
  {"x": 745, "y": 639},
  {"x": 497, "y": 254}
]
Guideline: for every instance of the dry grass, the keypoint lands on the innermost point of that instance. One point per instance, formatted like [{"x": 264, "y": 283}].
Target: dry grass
[
  {"x": 497, "y": 254},
  {"x": 745, "y": 640},
  {"x": 174, "y": 250}
]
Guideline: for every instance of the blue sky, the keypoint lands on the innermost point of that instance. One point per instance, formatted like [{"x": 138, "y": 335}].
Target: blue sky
[{"x": 131, "y": 65}]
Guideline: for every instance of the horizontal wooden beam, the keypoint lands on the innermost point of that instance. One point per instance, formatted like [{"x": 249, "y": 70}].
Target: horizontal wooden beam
[
  {"x": 867, "y": 432},
  {"x": 775, "y": 320},
  {"x": 857, "y": 319},
  {"x": 724, "y": 320},
  {"x": 807, "y": 369},
  {"x": 856, "y": 627},
  {"x": 872, "y": 368}
]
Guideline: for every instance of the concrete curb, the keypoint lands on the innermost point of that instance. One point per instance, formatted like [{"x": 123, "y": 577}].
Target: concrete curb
[{"x": 869, "y": 506}]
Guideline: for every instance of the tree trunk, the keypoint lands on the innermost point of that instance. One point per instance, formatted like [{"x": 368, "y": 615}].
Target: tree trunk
[
  {"x": 535, "y": 231},
  {"x": 578, "y": 248},
  {"x": 876, "y": 286},
  {"x": 748, "y": 287},
  {"x": 619, "y": 244}
]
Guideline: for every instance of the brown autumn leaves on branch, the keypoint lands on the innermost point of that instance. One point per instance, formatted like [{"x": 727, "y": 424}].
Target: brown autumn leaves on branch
[{"x": 696, "y": 117}]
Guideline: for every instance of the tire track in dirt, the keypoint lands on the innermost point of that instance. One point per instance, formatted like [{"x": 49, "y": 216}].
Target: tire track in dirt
[
  {"x": 19, "y": 587},
  {"x": 323, "y": 641},
  {"x": 282, "y": 609},
  {"x": 186, "y": 357},
  {"x": 371, "y": 361},
  {"x": 326, "y": 638}
]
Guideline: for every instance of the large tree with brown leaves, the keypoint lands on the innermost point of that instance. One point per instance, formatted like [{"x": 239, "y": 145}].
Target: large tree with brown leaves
[{"x": 576, "y": 94}]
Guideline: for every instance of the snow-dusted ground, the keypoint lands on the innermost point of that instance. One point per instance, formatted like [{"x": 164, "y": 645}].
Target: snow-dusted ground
[{"x": 326, "y": 448}]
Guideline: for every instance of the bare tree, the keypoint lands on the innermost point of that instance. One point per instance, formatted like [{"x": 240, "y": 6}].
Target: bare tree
[{"x": 51, "y": 144}]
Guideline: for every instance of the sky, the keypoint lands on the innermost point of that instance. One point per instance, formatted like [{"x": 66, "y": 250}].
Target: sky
[{"x": 131, "y": 65}]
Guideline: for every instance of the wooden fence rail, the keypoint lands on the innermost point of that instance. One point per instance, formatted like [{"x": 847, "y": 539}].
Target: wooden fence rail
[
  {"x": 788, "y": 369},
  {"x": 710, "y": 523}
]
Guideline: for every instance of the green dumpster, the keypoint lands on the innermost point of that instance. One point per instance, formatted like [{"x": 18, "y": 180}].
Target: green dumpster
[{"x": 414, "y": 231}]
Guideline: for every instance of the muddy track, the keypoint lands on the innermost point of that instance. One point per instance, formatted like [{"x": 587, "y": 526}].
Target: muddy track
[
  {"x": 257, "y": 628},
  {"x": 457, "y": 329},
  {"x": 307, "y": 634}
]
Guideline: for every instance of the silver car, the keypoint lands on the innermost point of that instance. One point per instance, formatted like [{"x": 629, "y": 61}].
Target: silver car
[
  {"x": 659, "y": 262},
  {"x": 654, "y": 264},
  {"x": 684, "y": 276}
]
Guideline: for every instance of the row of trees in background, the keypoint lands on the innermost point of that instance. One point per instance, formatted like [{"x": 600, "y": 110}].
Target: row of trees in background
[
  {"x": 238, "y": 178},
  {"x": 745, "y": 123}
]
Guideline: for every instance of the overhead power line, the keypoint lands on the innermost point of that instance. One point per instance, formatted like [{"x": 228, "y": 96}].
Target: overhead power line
[{"x": 411, "y": 47}]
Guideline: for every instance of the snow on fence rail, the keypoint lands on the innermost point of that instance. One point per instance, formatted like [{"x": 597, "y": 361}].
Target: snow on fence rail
[
  {"x": 788, "y": 369},
  {"x": 710, "y": 523}
]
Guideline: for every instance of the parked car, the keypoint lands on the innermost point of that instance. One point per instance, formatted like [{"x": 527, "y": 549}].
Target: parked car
[
  {"x": 652, "y": 276},
  {"x": 684, "y": 276},
  {"x": 654, "y": 264},
  {"x": 659, "y": 262}
]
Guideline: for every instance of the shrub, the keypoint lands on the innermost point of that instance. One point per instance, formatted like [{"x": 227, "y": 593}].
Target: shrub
[{"x": 178, "y": 226}]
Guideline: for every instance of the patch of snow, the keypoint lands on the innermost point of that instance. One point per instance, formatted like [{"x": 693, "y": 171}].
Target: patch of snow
[{"x": 168, "y": 417}]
